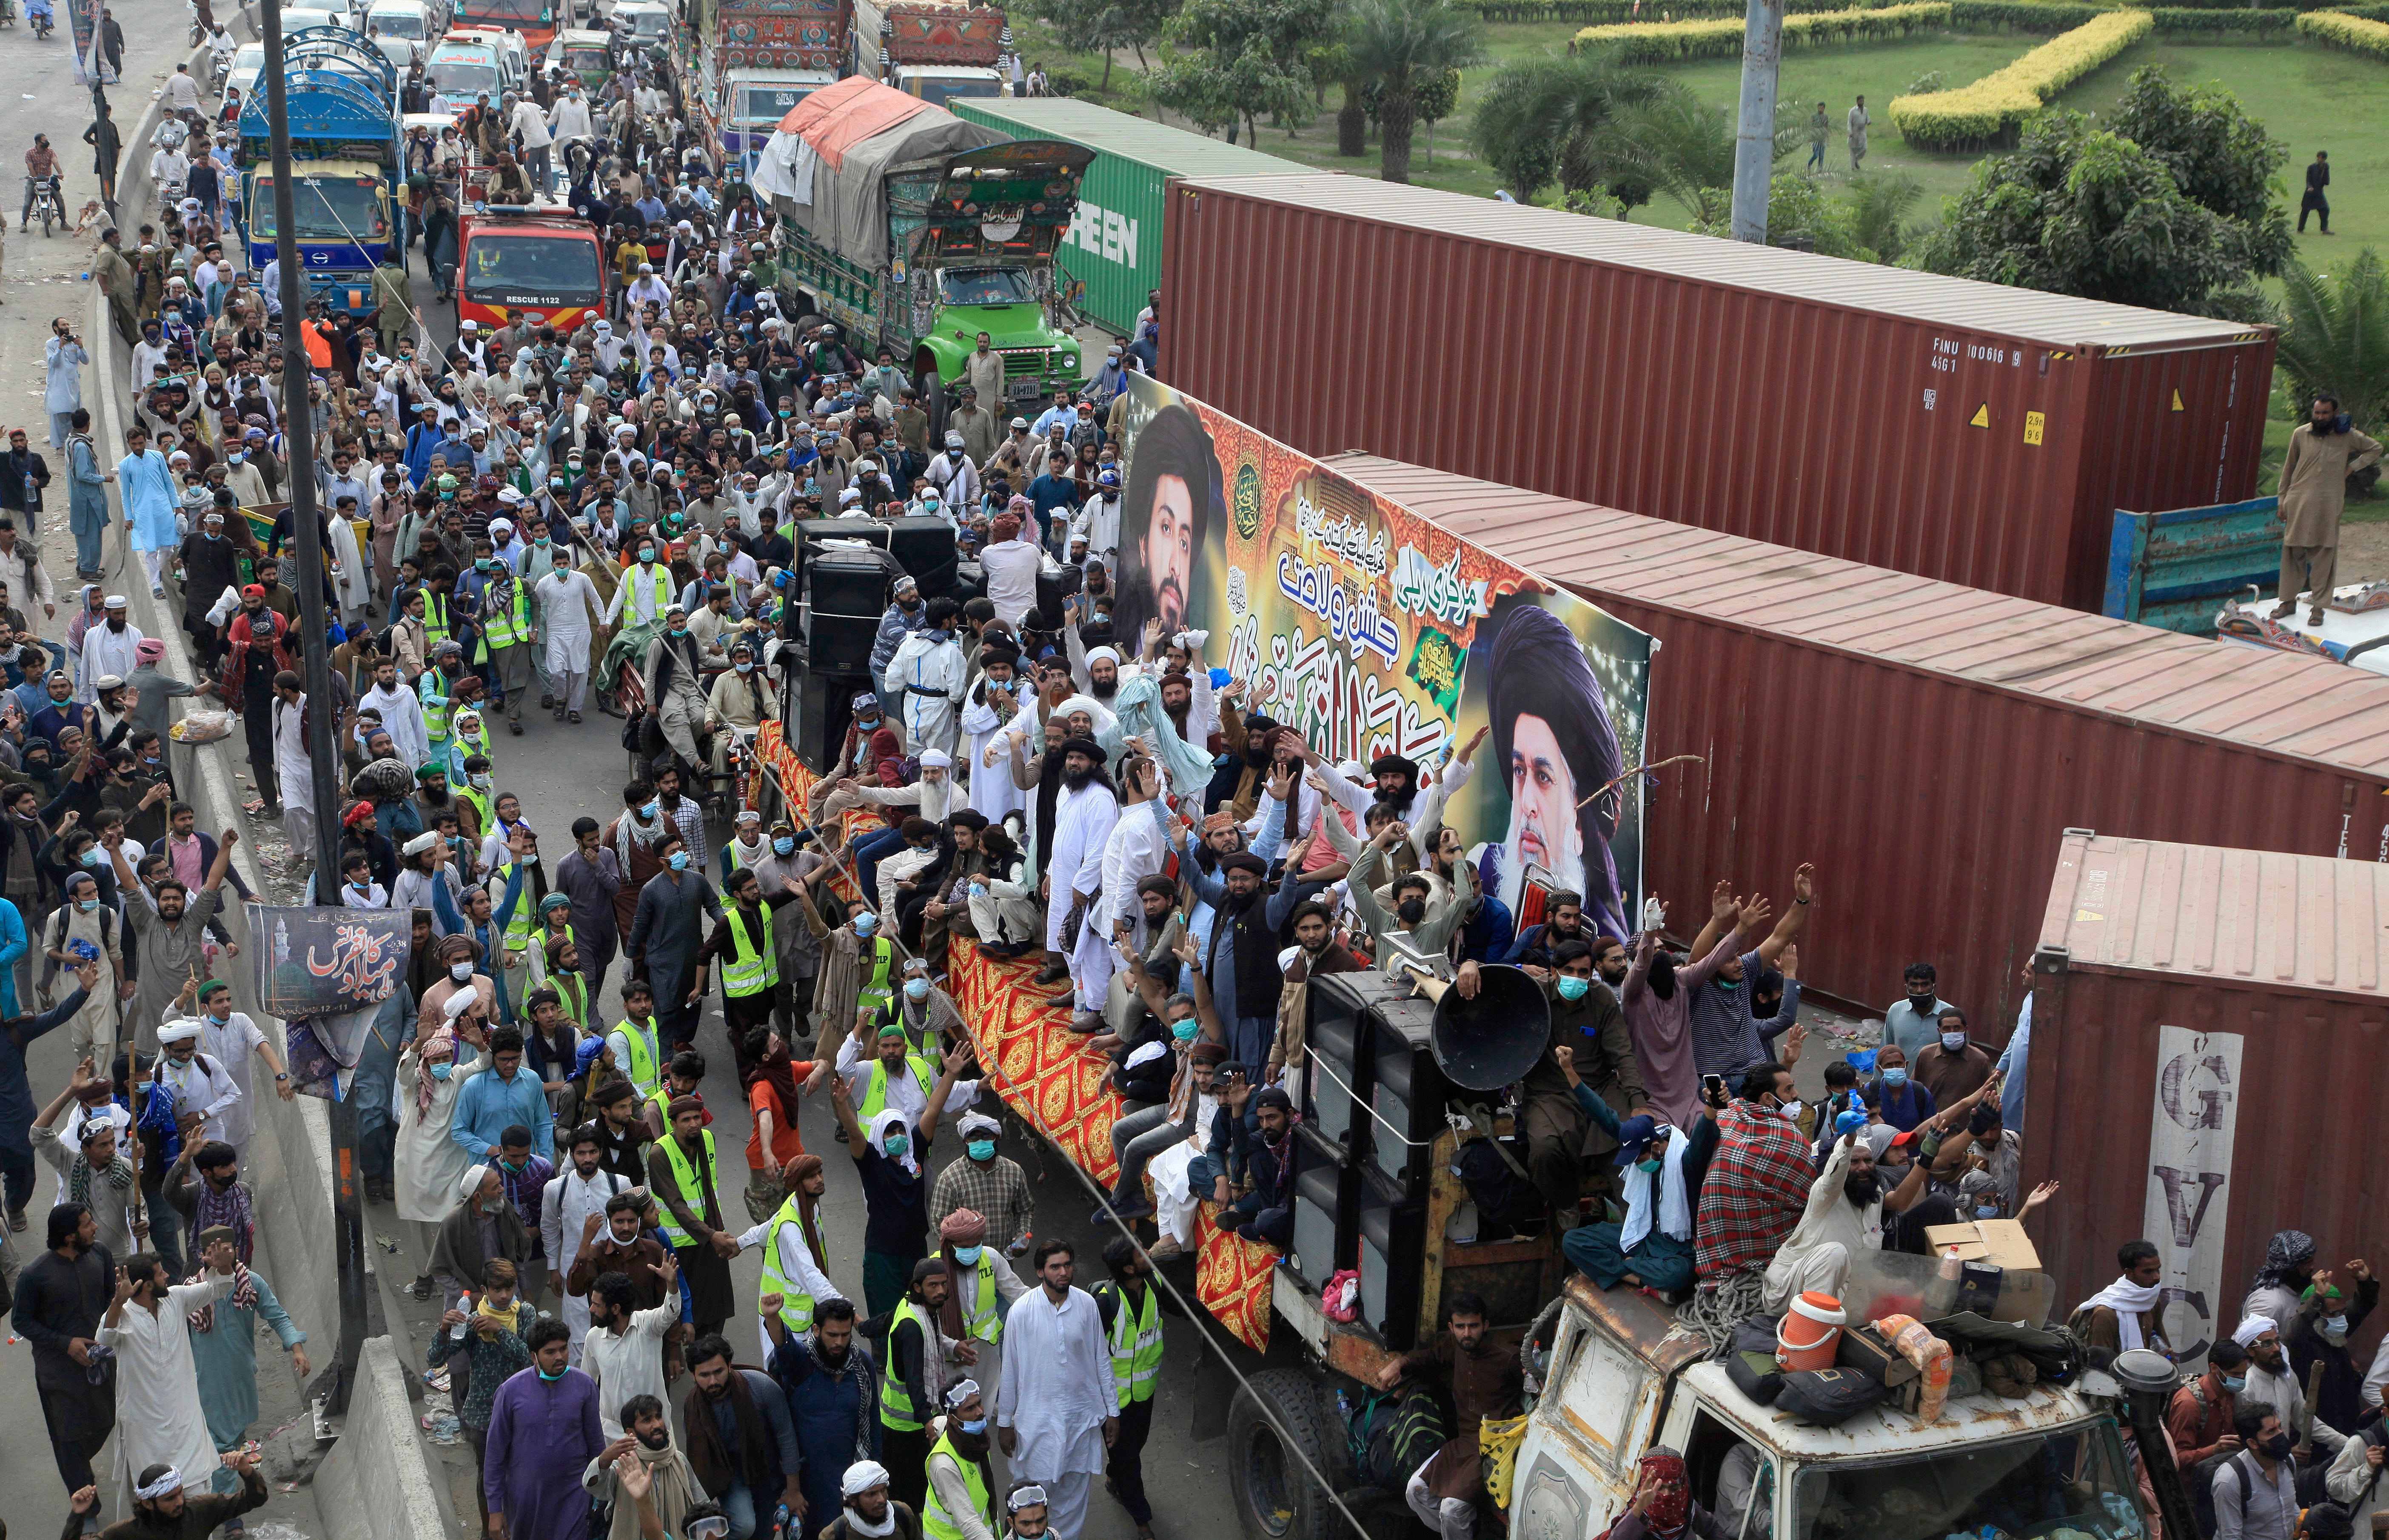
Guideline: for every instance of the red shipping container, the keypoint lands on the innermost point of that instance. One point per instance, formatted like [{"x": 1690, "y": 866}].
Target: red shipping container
[
  {"x": 1961, "y": 431},
  {"x": 1922, "y": 743},
  {"x": 2207, "y": 1047}
]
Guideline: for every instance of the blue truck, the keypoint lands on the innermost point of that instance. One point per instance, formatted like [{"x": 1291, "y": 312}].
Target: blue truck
[{"x": 349, "y": 196}]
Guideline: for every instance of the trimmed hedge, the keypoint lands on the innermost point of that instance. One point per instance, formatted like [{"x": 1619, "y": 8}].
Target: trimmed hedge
[
  {"x": 1669, "y": 42},
  {"x": 2191, "y": 21},
  {"x": 1607, "y": 12},
  {"x": 2353, "y": 34},
  {"x": 2022, "y": 16},
  {"x": 1993, "y": 107}
]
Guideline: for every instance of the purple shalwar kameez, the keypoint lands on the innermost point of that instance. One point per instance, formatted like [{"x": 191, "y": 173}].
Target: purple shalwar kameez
[{"x": 542, "y": 1435}]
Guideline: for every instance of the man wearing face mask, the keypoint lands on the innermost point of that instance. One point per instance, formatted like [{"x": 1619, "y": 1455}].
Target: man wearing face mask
[
  {"x": 959, "y": 1503},
  {"x": 169, "y": 929},
  {"x": 1758, "y": 1184},
  {"x": 1951, "y": 1067},
  {"x": 675, "y": 686},
  {"x": 2326, "y": 1315},
  {"x": 643, "y": 594},
  {"x": 565, "y": 603},
  {"x": 666, "y": 933},
  {"x": 2199, "y": 1418},
  {"x": 1586, "y": 1018},
  {"x": 742, "y": 940},
  {"x": 1914, "y": 1021},
  {"x": 83, "y": 916},
  {"x": 1130, "y": 1306},
  {"x": 1844, "y": 1216}
]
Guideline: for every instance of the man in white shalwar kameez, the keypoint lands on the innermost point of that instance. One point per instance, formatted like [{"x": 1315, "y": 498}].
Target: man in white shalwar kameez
[
  {"x": 1056, "y": 1411},
  {"x": 106, "y": 651},
  {"x": 568, "y": 610},
  {"x": 293, "y": 769},
  {"x": 1139, "y": 843},
  {"x": 571, "y": 1196},
  {"x": 991, "y": 791},
  {"x": 1084, "y": 815},
  {"x": 401, "y": 715},
  {"x": 158, "y": 1420}
]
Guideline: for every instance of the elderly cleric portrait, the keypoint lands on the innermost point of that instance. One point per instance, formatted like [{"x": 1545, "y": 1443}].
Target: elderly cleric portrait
[
  {"x": 1553, "y": 739},
  {"x": 1173, "y": 494}
]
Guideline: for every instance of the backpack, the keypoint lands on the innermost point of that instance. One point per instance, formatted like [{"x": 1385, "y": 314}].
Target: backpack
[
  {"x": 1391, "y": 1433},
  {"x": 1505, "y": 1201},
  {"x": 1827, "y": 1398}
]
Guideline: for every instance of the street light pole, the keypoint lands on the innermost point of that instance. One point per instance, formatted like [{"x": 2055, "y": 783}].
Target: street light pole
[
  {"x": 307, "y": 555},
  {"x": 1753, "y": 149}
]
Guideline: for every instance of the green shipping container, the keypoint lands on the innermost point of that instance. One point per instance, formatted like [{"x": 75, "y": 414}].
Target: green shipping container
[{"x": 1114, "y": 245}]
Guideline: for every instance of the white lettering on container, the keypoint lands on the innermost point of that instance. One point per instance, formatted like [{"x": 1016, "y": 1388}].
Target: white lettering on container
[{"x": 2189, "y": 1176}]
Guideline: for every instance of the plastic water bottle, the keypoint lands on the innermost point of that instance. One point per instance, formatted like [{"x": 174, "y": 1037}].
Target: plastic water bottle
[{"x": 465, "y": 1308}]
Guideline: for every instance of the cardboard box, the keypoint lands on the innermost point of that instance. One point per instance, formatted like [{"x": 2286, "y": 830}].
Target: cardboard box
[{"x": 2000, "y": 1242}]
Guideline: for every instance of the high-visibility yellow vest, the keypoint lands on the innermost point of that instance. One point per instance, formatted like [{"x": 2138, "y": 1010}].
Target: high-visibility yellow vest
[
  {"x": 518, "y": 923},
  {"x": 692, "y": 1184},
  {"x": 986, "y": 1321},
  {"x": 663, "y": 593},
  {"x": 510, "y": 627},
  {"x": 1135, "y": 1344},
  {"x": 874, "y": 1095},
  {"x": 646, "y": 1068},
  {"x": 479, "y": 803},
  {"x": 435, "y": 627},
  {"x": 796, "y": 1309},
  {"x": 432, "y": 689},
  {"x": 750, "y": 970},
  {"x": 876, "y": 989},
  {"x": 935, "y": 1522},
  {"x": 895, "y": 1401}
]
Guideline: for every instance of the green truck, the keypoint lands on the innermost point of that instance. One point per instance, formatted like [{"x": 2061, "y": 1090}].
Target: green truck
[
  {"x": 1111, "y": 254},
  {"x": 912, "y": 229}
]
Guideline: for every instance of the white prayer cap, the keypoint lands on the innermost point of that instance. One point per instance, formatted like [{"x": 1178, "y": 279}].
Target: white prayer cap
[
  {"x": 861, "y": 1476},
  {"x": 108, "y": 682},
  {"x": 506, "y": 524},
  {"x": 936, "y": 758},
  {"x": 183, "y": 1031},
  {"x": 459, "y": 1003},
  {"x": 2248, "y": 1331},
  {"x": 421, "y": 843},
  {"x": 113, "y": 601},
  {"x": 469, "y": 326},
  {"x": 1104, "y": 653},
  {"x": 472, "y": 1181}
]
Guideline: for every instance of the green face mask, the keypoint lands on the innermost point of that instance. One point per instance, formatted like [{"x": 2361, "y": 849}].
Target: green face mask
[
  {"x": 981, "y": 1149},
  {"x": 896, "y": 1146},
  {"x": 1646, "y": 1165}
]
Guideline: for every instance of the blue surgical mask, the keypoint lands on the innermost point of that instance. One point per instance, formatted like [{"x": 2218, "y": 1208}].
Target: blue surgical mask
[
  {"x": 646, "y": 557},
  {"x": 86, "y": 904},
  {"x": 977, "y": 1427},
  {"x": 441, "y": 1069},
  {"x": 1572, "y": 988},
  {"x": 782, "y": 845},
  {"x": 866, "y": 923},
  {"x": 680, "y": 860},
  {"x": 1895, "y": 1077},
  {"x": 896, "y": 1145},
  {"x": 90, "y": 858},
  {"x": 743, "y": 666},
  {"x": 2235, "y": 1384},
  {"x": 979, "y": 1149},
  {"x": 652, "y": 808},
  {"x": 530, "y": 858},
  {"x": 916, "y": 989},
  {"x": 234, "y": 457},
  {"x": 1184, "y": 1031}
]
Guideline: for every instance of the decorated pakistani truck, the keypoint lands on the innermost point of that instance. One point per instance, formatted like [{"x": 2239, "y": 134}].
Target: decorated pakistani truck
[{"x": 906, "y": 226}]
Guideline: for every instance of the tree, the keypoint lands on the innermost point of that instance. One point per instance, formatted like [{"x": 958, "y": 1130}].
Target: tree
[
  {"x": 1435, "y": 98},
  {"x": 2222, "y": 159},
  {"x": 2336, "y": 336},
  {"x": 1879, "y": 207},
  {"x": 1684, "y": 147},
  {"x": 1557, "y": 118},
  {"x": 1241, "y": 60},
  {"x": 2082, "y": 210},
  {"x": 1400, "y": 46},
  {"x": 1100, "y": 26}
]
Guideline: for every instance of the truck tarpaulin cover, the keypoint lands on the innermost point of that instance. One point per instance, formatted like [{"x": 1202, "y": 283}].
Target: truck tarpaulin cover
[
  {"x": 826, "y": 165},
  {"x": 1373, "y": 632}
]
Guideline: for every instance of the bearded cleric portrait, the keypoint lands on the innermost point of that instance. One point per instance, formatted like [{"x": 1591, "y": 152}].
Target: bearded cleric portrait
[
  {"x": 1174, "y": 493},
  {"x": 1554, "y": 741}
]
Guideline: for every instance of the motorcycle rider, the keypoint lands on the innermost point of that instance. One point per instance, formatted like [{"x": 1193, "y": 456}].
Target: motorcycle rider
[
  {"x": 221, "y": 51},
  {"x": 169, "y": 168},
  {"x": 41, "y": 165},
  {"x": 43, "y": 21}
]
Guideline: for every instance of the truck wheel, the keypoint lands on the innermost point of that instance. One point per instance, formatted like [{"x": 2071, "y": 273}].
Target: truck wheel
[
  {"x": 1276, "y": 1497},
  {"x": 934, "y": 402}
]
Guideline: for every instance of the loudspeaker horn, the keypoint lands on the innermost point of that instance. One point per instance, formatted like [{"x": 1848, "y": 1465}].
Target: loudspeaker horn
[{"x": 1491, "y": 1040}]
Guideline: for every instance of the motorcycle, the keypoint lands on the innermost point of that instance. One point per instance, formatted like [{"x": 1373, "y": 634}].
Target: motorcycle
[
  {"x": 41, "y": 20},
  {"x": 46, "y": 204},
  {"x": 7, "y": 13}
]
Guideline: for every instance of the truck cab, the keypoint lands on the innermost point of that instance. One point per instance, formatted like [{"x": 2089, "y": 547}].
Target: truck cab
[
  {"x": 541, "y": 263},
  {"x": 345, "y": 165},
  {"x": 942, "y": 85},
  {"x": 753, "y": 102},
  {"x": 1619, "y": 1378}
]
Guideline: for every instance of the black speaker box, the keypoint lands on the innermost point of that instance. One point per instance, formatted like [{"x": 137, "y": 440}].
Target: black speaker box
[
  {"x": 923, "y": 545},
  {"x": 1373, "y": 1034},
  {"x": 824, "y": 709},
  {"x": 1336, "y": 1070},
  {"x": 845, "y": 592},
  {"x": 1389, "y": 1244},
  {"x": 1323, "y": 1210}
]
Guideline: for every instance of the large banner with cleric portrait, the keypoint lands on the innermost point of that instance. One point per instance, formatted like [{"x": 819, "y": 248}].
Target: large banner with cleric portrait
[{"x": 1374, "y": 631}]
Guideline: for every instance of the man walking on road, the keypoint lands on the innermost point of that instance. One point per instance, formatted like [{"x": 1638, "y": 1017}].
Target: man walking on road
[
  {"x": 1820, "y": 128},
  {"x": 107, "y": 149},
  {"x": 2316, "y": 201},
  {"x": 1057, "y": 1411},
  {"x": 2314, "y": 491},
  {"x": 1859, "y": 120}
]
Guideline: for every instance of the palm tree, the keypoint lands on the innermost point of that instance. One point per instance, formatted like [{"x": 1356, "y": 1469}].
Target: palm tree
[
  {"x": 2336, "y": 336},
  {"x": 1398, "y": 45},
  {"x": 1879, "y": 208},
  {"x": 1557, "y": 118},
  {"x": 1685, "y": 148}
]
